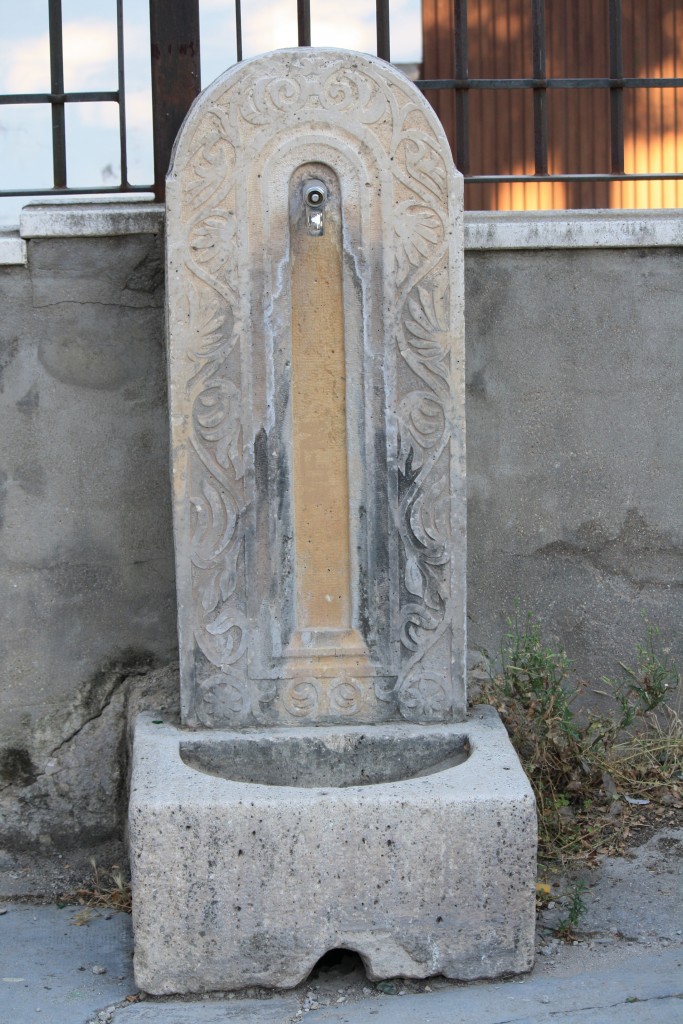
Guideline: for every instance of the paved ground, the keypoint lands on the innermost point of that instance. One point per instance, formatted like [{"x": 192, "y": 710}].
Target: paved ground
[{"x": 72, "y": 966}]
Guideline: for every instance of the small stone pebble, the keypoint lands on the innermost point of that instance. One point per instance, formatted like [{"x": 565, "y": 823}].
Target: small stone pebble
[{"x": 97, "y": 969}]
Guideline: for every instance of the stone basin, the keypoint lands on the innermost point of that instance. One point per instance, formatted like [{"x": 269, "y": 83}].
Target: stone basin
[
  {"x": 333, "y": 757},
  {"x": 254, "y": 853}
]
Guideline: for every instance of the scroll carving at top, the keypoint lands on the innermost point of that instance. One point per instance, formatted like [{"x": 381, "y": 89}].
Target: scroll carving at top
[{"x": 393, "y": 324}]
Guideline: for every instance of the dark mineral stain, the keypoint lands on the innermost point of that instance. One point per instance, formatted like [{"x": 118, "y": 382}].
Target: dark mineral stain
[
  {"x": 16, "y": 767},
  {"x": 7, "y": 353},
  {"x": 477, "y": 385},
  {"x": 261, "y": 463},
  {"x": 30, "y": 402}
]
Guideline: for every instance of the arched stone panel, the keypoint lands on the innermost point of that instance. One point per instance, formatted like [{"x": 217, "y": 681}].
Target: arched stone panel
[{"x": 234, "y": 198}]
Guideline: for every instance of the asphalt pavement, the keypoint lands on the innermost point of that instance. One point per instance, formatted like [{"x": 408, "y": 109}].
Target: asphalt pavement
[{"x": 625, "y": 964}]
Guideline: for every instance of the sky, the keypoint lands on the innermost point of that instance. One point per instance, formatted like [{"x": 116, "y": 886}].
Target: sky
[{"x": 89, "y": 33}]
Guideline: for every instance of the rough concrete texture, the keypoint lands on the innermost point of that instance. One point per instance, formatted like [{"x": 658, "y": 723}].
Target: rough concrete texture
[
  {"x": 574, "y": 371},
  {"x": 316, "y": 385},
  {"x": 86, "y": 572},
  {"x": 78, "y": 798},
  {"x": 240, "y": 884},
  {"x": 575, "y": 493},
  {"x": 625, "y": 966}
]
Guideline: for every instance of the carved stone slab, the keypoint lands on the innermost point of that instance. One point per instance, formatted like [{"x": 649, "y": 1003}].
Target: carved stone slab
[{"x": 317, "y": 399}]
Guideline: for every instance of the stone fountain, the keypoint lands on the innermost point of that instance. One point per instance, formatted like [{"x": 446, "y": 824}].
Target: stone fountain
[{"x": 324, "y": 787}]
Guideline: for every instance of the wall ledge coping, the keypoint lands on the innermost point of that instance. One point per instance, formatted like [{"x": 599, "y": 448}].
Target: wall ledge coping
[
  {"x": 89, "y": 218},
  {"x": 547, "y": 229},
  {"x": 573, "y": 229},
  {"x": 12, "y": 249}
]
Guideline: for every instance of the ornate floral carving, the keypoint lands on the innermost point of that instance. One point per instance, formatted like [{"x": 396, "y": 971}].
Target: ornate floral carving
[
  {"x": 226, "y": 699},
  {"x": 222, "y": 698},
  {"x": 425, "y": 697},
  {"x": 301, "y": 697},
  {"x": 347, "y": 697},
  {"x": 425, "y": 494},
  {"x": 399, "y": 139},
  {"x": 333, "y": 87},
  {"x": 311, "y": 697}
]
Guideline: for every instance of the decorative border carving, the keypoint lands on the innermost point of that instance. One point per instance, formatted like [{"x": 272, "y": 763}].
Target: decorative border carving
[{"x": 253, "y": 105}]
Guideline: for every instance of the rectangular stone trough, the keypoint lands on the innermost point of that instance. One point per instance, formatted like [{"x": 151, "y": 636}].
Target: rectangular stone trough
[{"x": 254, "y": 853}]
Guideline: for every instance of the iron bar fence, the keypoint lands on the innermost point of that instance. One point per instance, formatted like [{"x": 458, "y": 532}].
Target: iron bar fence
[{"x": 175, "y": 74}]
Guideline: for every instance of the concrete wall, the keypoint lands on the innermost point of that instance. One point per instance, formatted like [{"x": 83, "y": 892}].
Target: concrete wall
[
  {"x": 575, "y": 446},
  {"x": 574, "y": 365}
]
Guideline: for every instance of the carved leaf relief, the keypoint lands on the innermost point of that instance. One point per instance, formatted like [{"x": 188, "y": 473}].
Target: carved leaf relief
[{"x": 254, "y": 108}]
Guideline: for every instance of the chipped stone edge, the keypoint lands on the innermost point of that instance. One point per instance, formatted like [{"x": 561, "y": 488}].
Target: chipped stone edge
[{"x": 573, "y": 229}]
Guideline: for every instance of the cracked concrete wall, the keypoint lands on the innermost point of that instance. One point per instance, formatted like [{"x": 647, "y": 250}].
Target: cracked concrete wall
[
  {"x": 574, "y": 455},
  {"x": 86, "y": 564}
]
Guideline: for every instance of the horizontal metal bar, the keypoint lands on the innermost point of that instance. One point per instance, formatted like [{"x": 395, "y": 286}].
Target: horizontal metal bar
[
  {"x": 549, "y": 83},
  {"x": 53, "y": 97},
  {"x": 537, "y": 179},
  {"x": 48, "y": 192}
]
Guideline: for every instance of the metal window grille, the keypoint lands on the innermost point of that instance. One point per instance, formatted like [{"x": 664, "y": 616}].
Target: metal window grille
[
  {"x": 175, "y": 46},
  {"x": 57, "y": 98},
  {"x": 617, "y": 84}
]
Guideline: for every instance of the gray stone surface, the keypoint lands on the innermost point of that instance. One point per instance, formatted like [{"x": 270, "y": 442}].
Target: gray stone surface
[
  {"x": 241, "y": 884},
  {"x": 271, "y": 631}
]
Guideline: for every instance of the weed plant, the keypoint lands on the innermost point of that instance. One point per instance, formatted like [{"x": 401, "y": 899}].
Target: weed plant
[
  {"x": 109, "y": 890},
  {"x": 585, "y": 767},
  {"x": 567, "y": 927}
]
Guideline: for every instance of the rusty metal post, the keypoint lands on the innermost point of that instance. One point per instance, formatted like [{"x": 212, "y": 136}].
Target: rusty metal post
[{"x": 174, "y": 40}]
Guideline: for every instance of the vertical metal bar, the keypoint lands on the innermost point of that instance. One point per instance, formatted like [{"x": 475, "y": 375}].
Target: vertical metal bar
[
  {"x": 57, "y": 87},
  {"x": 238, "y": 29},
  {"x": 462, "y": 112},
  {"x": 303, "y": 15},
  {"x": 122, "y": 94},
  {"x": 383, "y": 31},
  {"x": 540, "y": 108},
  {"x": 174, "y": 42},
  {"x": 616, "y": 93}
]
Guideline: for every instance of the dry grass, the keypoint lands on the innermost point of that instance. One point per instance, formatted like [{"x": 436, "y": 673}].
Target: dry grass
[
  {"x": 109, "y": 890},
  {"x": 597, "y": 779}
]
